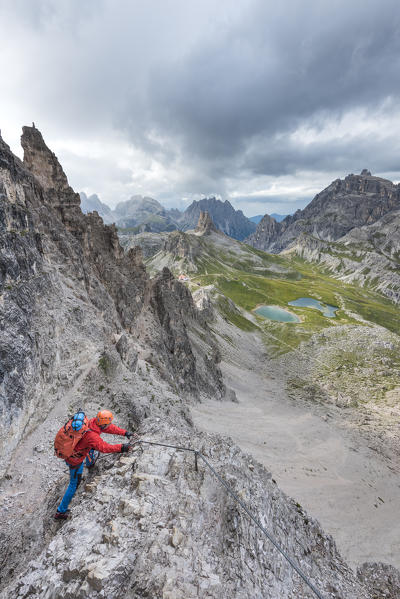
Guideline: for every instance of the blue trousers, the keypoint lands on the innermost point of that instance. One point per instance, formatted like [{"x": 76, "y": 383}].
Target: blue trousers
[{"x": 75, "y": 475}]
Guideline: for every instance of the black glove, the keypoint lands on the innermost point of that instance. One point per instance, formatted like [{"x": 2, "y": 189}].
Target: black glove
[
  {"x": 125, "y": 448},
  {"x": 128, "y": 434},
  {"x": 132, "y": 436}
]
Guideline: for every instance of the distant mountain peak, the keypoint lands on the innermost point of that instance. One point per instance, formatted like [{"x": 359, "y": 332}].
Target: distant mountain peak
[
  {"x": 355, "y": 201},
  {"x": 136, "y": 205},
  {"x": 93, "y": 203},
  {"x": 224, "y": 216}
]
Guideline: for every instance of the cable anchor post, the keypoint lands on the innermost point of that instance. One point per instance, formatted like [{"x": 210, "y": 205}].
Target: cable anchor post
[{"x": 196, "y": 467}]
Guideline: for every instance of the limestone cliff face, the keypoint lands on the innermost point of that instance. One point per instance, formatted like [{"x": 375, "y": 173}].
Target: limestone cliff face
[
  {"x": 169, "y": 307},
  {"x": 122, "y": 274},
  {"x": 356, "y": 201},
  {"x": 67, "y": 286},
  {"x": 383, "y": 236},
  {"x": 23, "y": 280},
  {"x": 43, "y": 163},
  {"x": 368, "y": 255}
]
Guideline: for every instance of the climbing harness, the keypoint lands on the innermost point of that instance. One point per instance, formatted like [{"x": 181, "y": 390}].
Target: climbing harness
[{"x": 230, "y": 491}]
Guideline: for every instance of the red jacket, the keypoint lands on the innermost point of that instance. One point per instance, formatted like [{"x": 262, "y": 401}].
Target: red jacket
[{"x": 92, "y": 440}]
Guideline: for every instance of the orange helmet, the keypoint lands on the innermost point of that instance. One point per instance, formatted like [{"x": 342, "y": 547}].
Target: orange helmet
[{"x": 104, "y": 418}]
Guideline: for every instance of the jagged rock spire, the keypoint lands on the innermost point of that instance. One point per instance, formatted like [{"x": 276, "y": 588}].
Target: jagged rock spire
[
  {"x": 42, "y": 162},
  {"x": 366, "y": 173},
  {"x": 205, "y": 224}
]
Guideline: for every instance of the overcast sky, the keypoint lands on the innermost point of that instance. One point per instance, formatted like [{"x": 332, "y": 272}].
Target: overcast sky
[{"x": 262, "y": 102}]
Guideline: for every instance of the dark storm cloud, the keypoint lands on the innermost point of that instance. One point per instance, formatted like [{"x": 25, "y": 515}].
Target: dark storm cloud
[
  {"x": 211, "y": 97},
  {"x": 284, "y": 156},
  {"x": 277, "y": 69}
]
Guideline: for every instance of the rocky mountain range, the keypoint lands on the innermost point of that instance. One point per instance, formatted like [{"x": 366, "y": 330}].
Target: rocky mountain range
[
  {"x": 369, "y": 255},
  {"x": 228, "y": 220},
  {"x": 83, "y": 325},
  {"x": 352, "y": 227},
  {"x": 52, "y": 249},
  {"x": 143, "y": 214},
  {"x": 136, "y": 214},
  {"x": 93, "y": 203},
  {"x": 356, "y": 201},
  {"x": 348, "y": 363}
]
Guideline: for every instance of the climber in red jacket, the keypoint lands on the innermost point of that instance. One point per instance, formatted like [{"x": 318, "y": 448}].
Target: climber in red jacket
[{"x": 88, "y": 449}]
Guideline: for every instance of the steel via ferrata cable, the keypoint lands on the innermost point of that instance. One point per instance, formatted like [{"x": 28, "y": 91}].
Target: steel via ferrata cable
[{"x": 270, "y": 537}]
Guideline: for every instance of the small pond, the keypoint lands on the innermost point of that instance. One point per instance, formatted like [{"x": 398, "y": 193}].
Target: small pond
[
  {"x": 276, "y": 313},
  {"x": 309, "y": 302}
]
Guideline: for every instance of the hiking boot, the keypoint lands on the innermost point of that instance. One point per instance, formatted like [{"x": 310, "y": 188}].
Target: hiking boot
[{"x": 62, "y": 515}]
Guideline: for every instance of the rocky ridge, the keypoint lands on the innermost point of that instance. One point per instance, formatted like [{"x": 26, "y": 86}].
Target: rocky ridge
[
  {"x": 65, "y": 273},
  {"x": 368, "y": 255},
  {"x": 356, "y": 201},
  {"x": 352, "y": 228},
  {"x": 187, "y": 251},
  {"x": 197, "y": 250},
  {"x": 149, "y": 525},
  {"x": 83, "y": 325},
  {"x": 146, "y": 215}
]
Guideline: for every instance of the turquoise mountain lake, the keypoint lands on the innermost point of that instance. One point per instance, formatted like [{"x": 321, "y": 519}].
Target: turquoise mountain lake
[
  {"x": 309, "y": 302},
  {"x": 276, "y": 313}
]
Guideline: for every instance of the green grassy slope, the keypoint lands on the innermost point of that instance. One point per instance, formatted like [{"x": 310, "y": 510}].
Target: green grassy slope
[
  {"x": 346, "y": 360},
  {"x": 250, "y": 277}
]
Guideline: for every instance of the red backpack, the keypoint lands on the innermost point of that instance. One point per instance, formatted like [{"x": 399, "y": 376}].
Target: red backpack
[{"x": 67, "y": 438}]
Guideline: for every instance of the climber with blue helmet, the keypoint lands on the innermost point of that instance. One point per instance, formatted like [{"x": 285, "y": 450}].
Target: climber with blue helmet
[{"x": 79, "y": 441}]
